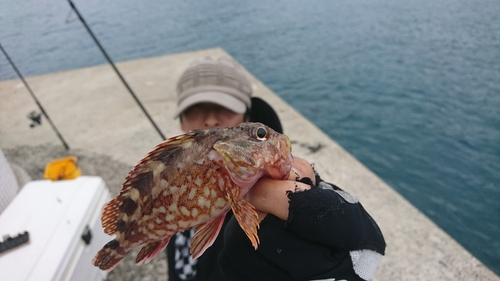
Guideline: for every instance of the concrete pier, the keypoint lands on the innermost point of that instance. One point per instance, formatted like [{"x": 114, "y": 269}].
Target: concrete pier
[{"x": 108, "y": 132}]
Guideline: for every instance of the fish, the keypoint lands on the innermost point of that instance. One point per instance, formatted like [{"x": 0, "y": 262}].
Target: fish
[{"x": 192, "y": 181}]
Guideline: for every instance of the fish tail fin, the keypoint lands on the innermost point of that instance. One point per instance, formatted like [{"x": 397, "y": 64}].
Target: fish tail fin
[
  {"x": 149, "y": 251},
  {"x": 109, "y": 256}
]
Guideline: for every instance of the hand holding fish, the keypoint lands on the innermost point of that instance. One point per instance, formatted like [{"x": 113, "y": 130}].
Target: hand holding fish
[{"x": 270, "y": 195}]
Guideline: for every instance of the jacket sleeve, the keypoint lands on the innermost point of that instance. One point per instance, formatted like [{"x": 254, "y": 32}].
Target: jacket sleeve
[{"x": 327, "y": 215}]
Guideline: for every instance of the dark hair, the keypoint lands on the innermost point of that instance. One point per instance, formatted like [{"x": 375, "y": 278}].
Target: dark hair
[{"x": 262, "y": 112}]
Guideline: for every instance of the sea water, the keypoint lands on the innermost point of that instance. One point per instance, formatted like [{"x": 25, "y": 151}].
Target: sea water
[{"x": 410, "y": 88}]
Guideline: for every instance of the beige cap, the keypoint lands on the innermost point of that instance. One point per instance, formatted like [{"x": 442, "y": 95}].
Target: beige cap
[{"x": 218, "y": 81}]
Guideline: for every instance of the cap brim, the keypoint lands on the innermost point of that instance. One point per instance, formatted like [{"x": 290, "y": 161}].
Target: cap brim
[{"x": 221, "y": 99}]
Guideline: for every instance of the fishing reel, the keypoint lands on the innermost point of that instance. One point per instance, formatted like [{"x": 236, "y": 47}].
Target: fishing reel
[{"x": 35, "y": 117}]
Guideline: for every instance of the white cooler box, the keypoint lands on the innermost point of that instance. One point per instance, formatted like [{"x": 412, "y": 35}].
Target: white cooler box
[{"x": 56, "y": 214}]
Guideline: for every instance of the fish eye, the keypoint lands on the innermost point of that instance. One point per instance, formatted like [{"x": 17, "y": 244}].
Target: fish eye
[{"x": 261, "y": 133}]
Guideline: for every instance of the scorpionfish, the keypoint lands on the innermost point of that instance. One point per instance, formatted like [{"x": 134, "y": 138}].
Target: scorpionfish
[{"x": 192, "y": 180}]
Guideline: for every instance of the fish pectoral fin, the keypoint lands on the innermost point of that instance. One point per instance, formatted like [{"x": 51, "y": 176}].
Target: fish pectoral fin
[
  {"x": 247, "y": 218},
  {"x": 205, "y": 235},
  {"x": 149, "y": 251}
]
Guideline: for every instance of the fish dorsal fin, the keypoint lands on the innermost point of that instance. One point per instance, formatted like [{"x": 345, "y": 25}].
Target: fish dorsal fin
[
  {"x": 121, "y": 210},
  {"x": 206, "y": 235},
  {"x": 110, "y": 216}
]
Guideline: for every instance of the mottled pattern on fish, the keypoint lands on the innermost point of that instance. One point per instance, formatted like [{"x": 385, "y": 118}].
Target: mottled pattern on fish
[{"x": 192, "y": 180}]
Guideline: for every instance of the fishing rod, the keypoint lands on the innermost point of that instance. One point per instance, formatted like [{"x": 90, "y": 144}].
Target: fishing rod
[
  {"x": 34, "y": 97},
  {"x": 114, "y": 67}
]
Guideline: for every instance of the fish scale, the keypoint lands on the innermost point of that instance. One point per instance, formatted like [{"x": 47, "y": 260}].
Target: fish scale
[{"x": 192, "y": 180}]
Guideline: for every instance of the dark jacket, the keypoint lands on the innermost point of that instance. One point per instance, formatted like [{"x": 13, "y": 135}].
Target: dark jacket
[
  {"x": 326, "y": 230},
  {"x": 316, "y": 242}
]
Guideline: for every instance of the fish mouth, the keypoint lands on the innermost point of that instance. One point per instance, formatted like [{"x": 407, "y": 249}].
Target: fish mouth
[
  {"x": 287, "y": 152},
  {"x": 283, "y": 167}
]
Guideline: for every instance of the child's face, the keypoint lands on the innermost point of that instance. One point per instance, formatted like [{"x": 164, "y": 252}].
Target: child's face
[{"x": 209, "y": 116}]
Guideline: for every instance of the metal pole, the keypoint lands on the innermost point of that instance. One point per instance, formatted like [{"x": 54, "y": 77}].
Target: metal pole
[
  {"x": 34, "y": 97},
  {"x": 114, "y": 67}
]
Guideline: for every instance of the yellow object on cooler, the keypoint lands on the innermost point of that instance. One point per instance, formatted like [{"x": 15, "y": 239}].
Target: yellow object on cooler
[{"x": 62, "y": 169}]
